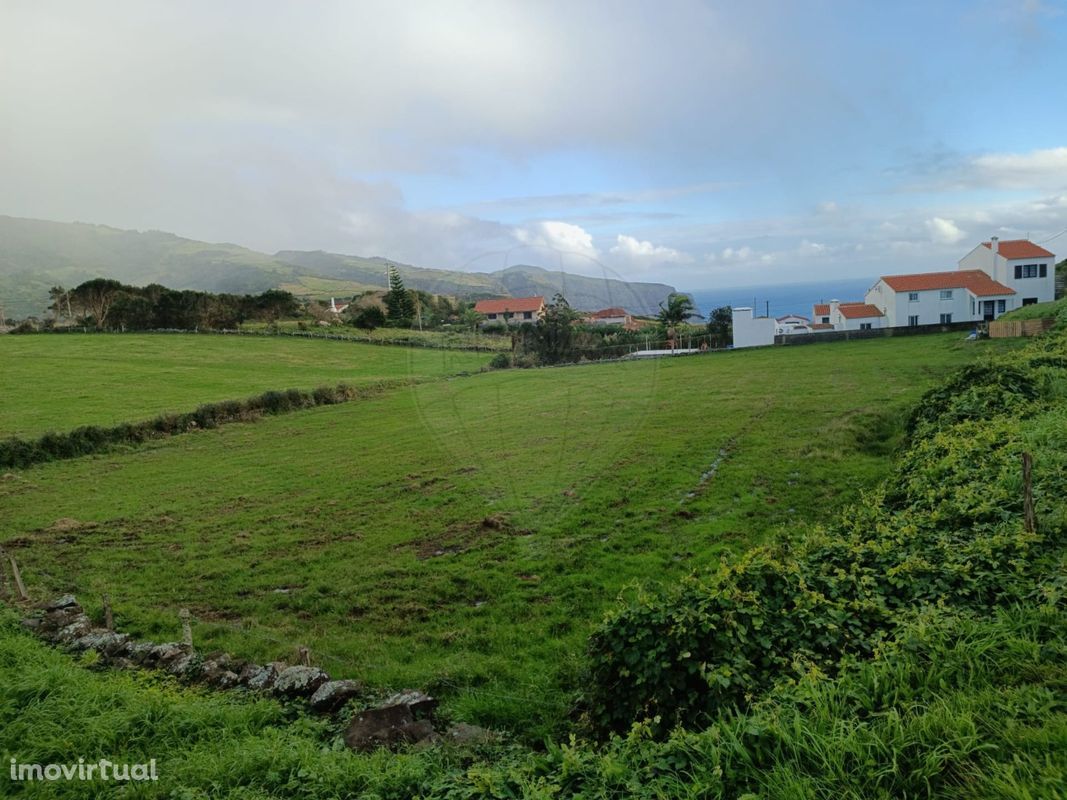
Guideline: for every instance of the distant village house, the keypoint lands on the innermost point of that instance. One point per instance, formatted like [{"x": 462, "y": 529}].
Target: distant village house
[{"x": 511, "y": 310}]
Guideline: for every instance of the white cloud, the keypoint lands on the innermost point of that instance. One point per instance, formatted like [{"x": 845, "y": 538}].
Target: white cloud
[
  {"x": 563, "y": 237},
  {"x": 944, "y": 231},
  {"x": 1037, "y": 168},
  {"x": 631, "y": 249}
]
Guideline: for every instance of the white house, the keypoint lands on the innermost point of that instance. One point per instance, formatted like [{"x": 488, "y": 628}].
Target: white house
[
  {"x": 1019, "y": 264},
  {"x": 847, "y": 316},
  {"x": 932, "y": 298},
  {"x": 752, "y": 331},
  {"x": 512, "y": 310},
  {"x": 792, "y": 323}
]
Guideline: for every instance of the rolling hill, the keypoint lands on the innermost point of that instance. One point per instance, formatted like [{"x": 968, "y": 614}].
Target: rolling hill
[{"x": 38, "y": 254}]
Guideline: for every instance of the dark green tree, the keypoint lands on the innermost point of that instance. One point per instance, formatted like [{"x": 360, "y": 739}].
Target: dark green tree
[
  {"x": 399, "y": 305},
  {"x": 368, "y": 318},
  {"x": 720, "y": 326}
]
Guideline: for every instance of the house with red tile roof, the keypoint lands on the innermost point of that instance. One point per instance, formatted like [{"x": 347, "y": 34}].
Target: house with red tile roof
[
  {"x": 1027, "y": 268},
  {"x": 511, "y": 310},
  {"x": 994, "y": 278}
]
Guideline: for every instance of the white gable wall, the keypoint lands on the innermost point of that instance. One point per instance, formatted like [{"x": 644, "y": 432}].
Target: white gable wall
[
  {"x": 750, "y": 330},
  {"x": 1002, "y": 270}
]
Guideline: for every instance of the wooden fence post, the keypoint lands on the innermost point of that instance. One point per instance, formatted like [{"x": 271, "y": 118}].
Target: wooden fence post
[
  {"x": 187, "y": 628},
  {"x": 18, "y": 579},
  {"x": 1029, "y": 517},
  {"x": 305, "y": 656}
]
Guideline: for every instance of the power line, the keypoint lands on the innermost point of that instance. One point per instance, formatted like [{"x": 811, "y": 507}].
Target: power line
[{"x": 1057, "y": 236}]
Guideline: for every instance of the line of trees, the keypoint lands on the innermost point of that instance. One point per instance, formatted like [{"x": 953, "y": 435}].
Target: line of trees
[{"x": 107, "y": 304}]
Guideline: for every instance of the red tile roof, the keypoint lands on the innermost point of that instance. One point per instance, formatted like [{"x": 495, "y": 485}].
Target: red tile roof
[
  {"x": 513, "y": 304},
  {"x": 610, "y": 312},
  {"x": 822, "y": 326},
  {"x": 974, "y": 281},
  {"x": 821, "y": 309},
  {"x": 1020, "y": 248},
  {"x": 859, "y": 310}
]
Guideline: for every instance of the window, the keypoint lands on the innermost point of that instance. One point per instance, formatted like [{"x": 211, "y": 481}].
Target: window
[
  {"x": 946, "y": 294},
  {"x": 1042, "y": 270},
  {"x": 527, "y": 315},
  {"x": 865, "y": 326},
  {"x": 913, "y": 297},
  {"x": 946, "y": 319},
  {"x": 913, "y": 320},
  {"x": 825, "y": 320},
  {"x": 1030, "y": 270},
  {"x": 1002, "y": 306},
  {"x": 491, "y": 316},
  {"x": 1029, "y": 301}
]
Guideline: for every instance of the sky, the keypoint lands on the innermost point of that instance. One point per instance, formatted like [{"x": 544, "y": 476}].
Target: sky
[{"x": 701, "y": 144}]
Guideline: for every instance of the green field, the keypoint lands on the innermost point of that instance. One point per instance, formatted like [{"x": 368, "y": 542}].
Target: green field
[
  {"x": 462, "y": 536},
  {"x": 54, "y": 383}
]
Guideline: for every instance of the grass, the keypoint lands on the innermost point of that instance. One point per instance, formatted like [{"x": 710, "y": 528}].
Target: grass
[
  {"x": 970, "y": 709},
  {"x": 1049, "y": 310},
  {"x": 458, "y": 338},
  {"x": 466, "y": 535},
  {"x": 58, "y": 382}
]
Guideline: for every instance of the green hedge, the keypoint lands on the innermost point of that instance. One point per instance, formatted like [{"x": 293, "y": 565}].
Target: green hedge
[{"x": 19, "y": 453}]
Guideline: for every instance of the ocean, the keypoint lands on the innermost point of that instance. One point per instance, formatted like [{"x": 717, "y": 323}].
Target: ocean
[{"x": 786, "y": 298}]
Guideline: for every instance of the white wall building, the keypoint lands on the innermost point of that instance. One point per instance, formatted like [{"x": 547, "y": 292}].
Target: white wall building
[
  {"x": 848, "y": 316},
  {"x": 752, "y": 331},
  {"x": 1019, "y": 264},
  {"x": 933, "y": 298},
  {"x": 792, "y": 323},
  {"x": 992, "y": 279}
]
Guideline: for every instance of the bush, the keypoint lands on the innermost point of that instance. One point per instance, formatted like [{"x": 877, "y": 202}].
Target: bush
[{"x": 500, "y": 361}]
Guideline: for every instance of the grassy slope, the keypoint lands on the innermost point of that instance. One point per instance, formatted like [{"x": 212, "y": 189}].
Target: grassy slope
[
  {"x": 54, "y": 383},
  {"x": 466, "y": 535}
]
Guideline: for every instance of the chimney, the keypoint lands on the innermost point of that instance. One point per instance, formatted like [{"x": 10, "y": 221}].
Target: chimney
[
  {"x": 994, "y": 245},
  {"x": 833, "y": 307}
]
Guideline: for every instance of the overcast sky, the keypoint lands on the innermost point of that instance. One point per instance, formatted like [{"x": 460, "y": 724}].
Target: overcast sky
[{"x": 703, "y": 144}]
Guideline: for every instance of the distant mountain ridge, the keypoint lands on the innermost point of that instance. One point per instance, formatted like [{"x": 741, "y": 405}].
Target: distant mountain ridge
[{"x": 38, "y": 254}]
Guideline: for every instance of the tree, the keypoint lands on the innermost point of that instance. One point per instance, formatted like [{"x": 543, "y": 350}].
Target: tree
[
  {"x": 60, "y": 298},
  {"x": 552, "y": 338},
  {"x": 471, "y": 319},
  {"x": 399, "y": 307},
  {"x": 368, "y": 318},
  {"x": 679, "y": 308},
  {"x": 720, "y": 326},
  {"x": 274, "y": 304},
  {"x": 94, "y": 299}
]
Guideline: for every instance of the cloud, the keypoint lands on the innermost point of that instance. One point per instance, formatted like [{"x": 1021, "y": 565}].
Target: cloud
[
  {"x": 944, "y": 231},
  {"x": 633, "y": 250},
  {"x": 564, "y": 237},
  {"x": 1034, "y": 170}
]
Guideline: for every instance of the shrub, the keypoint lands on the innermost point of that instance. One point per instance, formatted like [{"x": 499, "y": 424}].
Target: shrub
[{"x": 500, "y": 361}]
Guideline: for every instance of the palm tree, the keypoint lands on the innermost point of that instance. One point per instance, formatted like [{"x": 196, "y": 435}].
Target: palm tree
[{"x": 679, "y": 308}]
